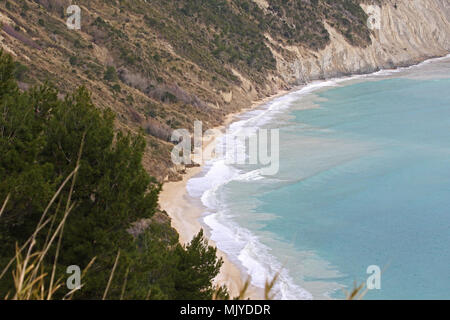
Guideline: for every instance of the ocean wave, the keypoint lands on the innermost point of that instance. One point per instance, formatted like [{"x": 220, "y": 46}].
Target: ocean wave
[
  {"x": 246, "y": 249},
  {"x": 387, "y": 72},
  {"x": 240, "y": 244},
  {"x": 254, "y": 175},
  {"x": 217, "y": 174}
]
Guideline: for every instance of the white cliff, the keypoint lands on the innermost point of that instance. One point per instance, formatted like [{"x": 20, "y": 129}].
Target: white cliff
[{"x": 404, "y": 32}]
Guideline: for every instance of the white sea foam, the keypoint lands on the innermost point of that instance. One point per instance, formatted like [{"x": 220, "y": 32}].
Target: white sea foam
[
  {"x": 254, "y": 175},
  {"x": 387, "y": 72},
  {"x": 246, "y": 249},
  {"x": 240, "y": 244}
]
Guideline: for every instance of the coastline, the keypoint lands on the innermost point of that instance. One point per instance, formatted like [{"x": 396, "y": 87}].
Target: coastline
[{"x": 186, "y": 214}]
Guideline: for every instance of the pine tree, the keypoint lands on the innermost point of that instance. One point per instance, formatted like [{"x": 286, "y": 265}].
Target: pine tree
[{"x": 41, "y": 140}]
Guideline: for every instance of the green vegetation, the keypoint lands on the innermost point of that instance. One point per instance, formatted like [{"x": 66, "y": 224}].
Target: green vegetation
[
  {"x": 218, "y": 34},
  {"x": 110, "y": 74},
  {"x": 183, "y": 57},
  {"x": 43, "y": 140},
  {"x": 20, "y": 71}
]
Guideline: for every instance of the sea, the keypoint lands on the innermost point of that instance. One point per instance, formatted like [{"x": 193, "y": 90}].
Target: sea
[{"x": 363, "y": 184}]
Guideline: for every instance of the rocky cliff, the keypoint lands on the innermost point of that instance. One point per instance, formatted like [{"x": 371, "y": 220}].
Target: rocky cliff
[
  {"x": 405, "y": 32},
  {"x": 161, "y": 64}
]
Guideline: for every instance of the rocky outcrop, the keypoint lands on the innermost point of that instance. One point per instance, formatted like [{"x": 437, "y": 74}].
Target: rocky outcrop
[
  {"x": 404, "y": 32},
  {"x": 185, "y": 61}
]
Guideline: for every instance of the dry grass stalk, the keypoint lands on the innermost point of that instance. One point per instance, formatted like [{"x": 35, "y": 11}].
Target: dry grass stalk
[
  {"x": 358, "y": 292},
  {"x": 111, "y": 276},
  {"x": 4, "y": 204}
]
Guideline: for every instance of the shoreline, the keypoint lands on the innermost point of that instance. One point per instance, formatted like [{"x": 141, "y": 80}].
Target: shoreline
[{"x": 186, "y": 215}]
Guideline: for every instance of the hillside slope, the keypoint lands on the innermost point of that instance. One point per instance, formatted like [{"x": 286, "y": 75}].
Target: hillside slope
[{"x": 160, "y": 65}]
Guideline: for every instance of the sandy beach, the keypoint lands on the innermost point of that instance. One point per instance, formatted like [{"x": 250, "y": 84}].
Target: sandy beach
[{"x": 186, "y": 214}]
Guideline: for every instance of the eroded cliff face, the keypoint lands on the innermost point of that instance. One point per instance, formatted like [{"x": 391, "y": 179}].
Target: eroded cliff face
[
  {"x": 405, "y": 32},
  {"x": 161, "y": 65}
]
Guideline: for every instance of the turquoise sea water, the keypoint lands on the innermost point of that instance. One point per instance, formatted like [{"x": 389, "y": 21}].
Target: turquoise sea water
[{"x": 364, "y": 180}]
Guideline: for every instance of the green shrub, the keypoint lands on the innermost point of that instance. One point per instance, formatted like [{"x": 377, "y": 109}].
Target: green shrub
[
  {"x": 110, "y": 74},
  {"x": 43, "y": 140}
]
